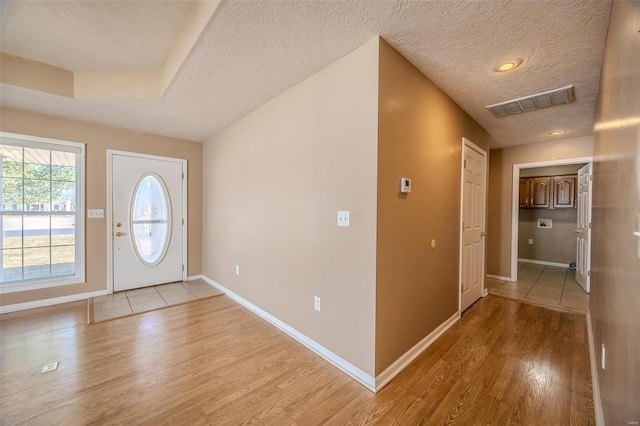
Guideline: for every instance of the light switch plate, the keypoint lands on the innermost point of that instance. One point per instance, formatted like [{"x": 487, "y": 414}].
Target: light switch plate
[
  {"x": 343, "y": 218},
  {"x": 95, "y": 213}
]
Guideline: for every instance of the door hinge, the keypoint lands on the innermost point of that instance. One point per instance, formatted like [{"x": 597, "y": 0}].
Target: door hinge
[
  {"x": 183, "y": 267},
  {"x": 588, "y": 273},
  {"x": 183, "y": 221},
  {"x": 182, "y": 175},
  {"x": 590, "y": 177},
  {"x": 465, "y": 164},
  {"x": 589, "y": 225}
]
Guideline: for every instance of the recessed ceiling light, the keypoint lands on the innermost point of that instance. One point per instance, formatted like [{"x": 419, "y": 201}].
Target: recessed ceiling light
[
  {"x": 557, "y": 132},
  {"x": 508, "y": 66}
]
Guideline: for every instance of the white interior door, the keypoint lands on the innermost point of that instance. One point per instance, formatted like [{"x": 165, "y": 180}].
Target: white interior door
[
  {"x": 147, "y": 203},
  {"x": 473, "y": 220},
  {"x": 583, "y": 230}
]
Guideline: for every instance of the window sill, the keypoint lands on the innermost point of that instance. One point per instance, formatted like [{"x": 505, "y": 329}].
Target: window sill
[{"x": 11, "y": 287}]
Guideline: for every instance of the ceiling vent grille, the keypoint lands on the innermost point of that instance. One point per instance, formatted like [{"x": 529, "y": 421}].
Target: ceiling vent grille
[{"x": 560, "y": 96}]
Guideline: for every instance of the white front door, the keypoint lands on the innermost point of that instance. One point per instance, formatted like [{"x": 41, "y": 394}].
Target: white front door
[
  {"x": 147, "y": 203},
  {"x": 583, "y": 263},
  {"x": 473, "y": 220}
]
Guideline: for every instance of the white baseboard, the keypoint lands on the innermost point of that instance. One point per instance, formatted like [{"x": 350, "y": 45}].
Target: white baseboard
[
  {"x": 485, "y": 292},
  {"x": 544, "y": 262},
  {"x": 401, "y": 363},
  {"x": 195, "y": 277},
  {"x": 597, "y": 402},
  {"x": 48, "y": 302},
  {"x": 344, "y": 365},
  {"x": 498, "y": 277}
]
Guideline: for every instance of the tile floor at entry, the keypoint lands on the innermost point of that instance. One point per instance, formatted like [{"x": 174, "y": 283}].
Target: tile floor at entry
[
  {"x": 550, "y": 286},
  {"x": 149, "y": 298}
]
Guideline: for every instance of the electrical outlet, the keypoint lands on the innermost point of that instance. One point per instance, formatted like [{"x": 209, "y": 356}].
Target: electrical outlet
[
  {"x": 530, "y": 240},
  {"x": 343, "y": 218},
  {"x": 316, "y": 303},
  {"x": 47, "y": 368},
  {"x": 637, "y": 234},
  {"x": 237, "y": 269},
  {"x": 604, "y": 356}
]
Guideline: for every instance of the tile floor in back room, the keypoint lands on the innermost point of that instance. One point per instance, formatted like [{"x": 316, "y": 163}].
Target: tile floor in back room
[{"x": 551, "y": 286}]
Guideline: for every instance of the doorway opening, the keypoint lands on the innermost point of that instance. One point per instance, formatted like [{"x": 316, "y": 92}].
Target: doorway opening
[{"x": 544, "y": 243}]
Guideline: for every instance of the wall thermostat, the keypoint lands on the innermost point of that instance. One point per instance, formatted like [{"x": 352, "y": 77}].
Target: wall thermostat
[{"x": 405, "y": 185}]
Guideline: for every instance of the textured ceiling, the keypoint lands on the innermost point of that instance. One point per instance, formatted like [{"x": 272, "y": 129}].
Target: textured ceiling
[
  {"x": 92, "y": 35},
  {"x": 253, "y": 51}
]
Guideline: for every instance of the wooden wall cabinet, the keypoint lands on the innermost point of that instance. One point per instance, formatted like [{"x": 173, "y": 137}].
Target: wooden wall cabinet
[
  {"x": 539, "y": 192},
  {"x": 564, "y": 192},
  {"x": 548, "y": 192},
  {"x": 524, "y": 192}
]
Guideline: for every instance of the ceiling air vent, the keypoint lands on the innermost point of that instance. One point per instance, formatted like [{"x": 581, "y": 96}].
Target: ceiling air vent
[{"x": 560, "y": 96}]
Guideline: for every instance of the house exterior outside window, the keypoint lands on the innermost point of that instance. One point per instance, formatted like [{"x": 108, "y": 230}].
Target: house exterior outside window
[{"x": 42, "y": 215}]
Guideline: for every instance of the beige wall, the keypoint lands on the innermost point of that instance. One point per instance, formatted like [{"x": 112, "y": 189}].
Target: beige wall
[
  {"x": 98, "y": 139},
  {"x": 501, "y": 191},
  {"x": 420, "y": 137},
  {"x": 22, "y": 72},
  {"x": 615, "y": 262},
  {"x": 556, "y": 244},
  {"x": 273, "y": 184}
]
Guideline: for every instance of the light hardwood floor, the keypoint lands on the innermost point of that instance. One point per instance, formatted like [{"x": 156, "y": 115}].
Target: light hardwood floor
[{"x": 214, "y": 362}]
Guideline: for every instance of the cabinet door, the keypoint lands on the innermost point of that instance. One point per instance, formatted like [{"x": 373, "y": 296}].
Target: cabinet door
[
  {"x": 524, "y": 192},
  {"x": 540, "y": 190},
  {"x": 564, "y": 192}
]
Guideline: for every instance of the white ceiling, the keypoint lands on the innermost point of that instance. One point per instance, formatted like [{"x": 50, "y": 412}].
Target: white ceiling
[
  {"x": 252, "y": 51},
  {"x": 93, "y": 35}
]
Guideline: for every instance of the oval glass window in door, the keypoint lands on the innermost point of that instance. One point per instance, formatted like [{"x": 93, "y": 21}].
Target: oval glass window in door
[{"x": 150, "y": 219}]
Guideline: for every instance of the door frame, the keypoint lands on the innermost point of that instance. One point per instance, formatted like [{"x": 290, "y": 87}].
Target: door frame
[
  {"x": 109, "y": 217},
  {"x": 467, "y": 143},
  {"x": 515, "y": 205}
]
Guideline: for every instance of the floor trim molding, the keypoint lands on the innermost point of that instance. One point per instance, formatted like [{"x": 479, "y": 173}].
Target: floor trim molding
[
  {"x": 401, "y": 363},
  {"x": 48, "y": 302},
  {"x": 196, "y": 277},
  {"x": 344, "y": 365},
  {"x": 597, "y": 401},
  {"x": 543, "y": 262},
  {"x": 498, "y": 277}
]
